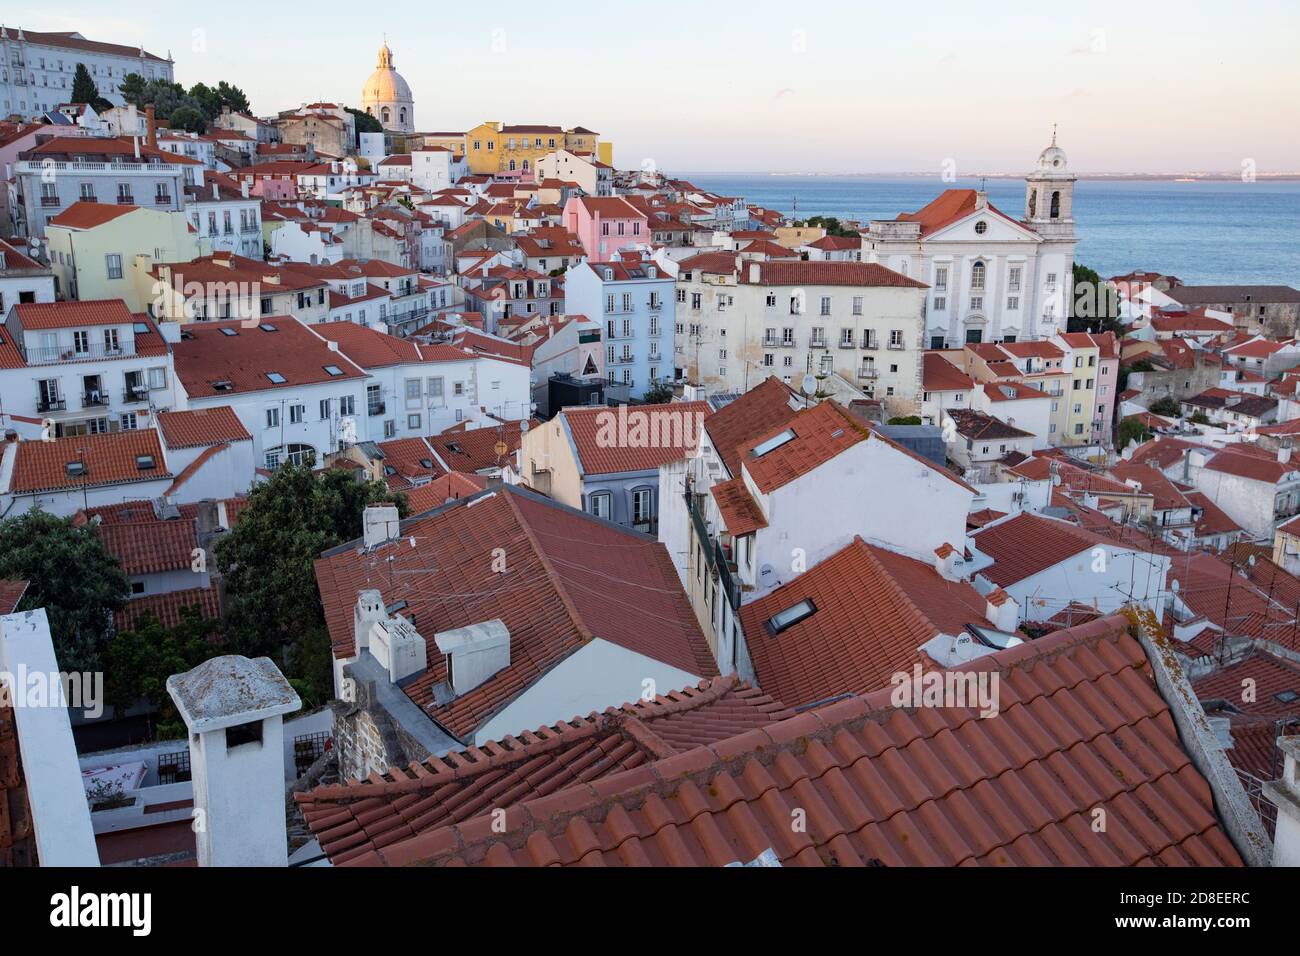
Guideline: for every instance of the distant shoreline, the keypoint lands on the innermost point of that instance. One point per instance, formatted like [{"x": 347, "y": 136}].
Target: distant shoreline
[{"x": 1099, "y": 177}]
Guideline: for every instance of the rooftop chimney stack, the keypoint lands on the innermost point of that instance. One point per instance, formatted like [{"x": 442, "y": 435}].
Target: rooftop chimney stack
[
  {"x": 369, "y": 611},
  {"x": 233, "y": 708},
  {"x": 945, "y": 562},
  {"x": 150, "y": 127},
  {"x": 1285, "y": 794},
  {"x": 1002, "y": 610},
  {"x": 381, "y": 525},
  {"x": 1284, "y": 453},
  {"x": 399, "y": 648},
  {"x": 475, "y": 654}
]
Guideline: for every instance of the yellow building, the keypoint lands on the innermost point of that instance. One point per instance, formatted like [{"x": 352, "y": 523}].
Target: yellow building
[
  {"x": 492, "y": 148},
  {"x": 1082, "y": 362},
  {"x": 92, "y": 247},
  {"x": 792, "y": 237}
]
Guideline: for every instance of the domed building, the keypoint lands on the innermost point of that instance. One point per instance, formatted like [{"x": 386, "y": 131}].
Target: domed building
[{"x": 387, "y": 97}]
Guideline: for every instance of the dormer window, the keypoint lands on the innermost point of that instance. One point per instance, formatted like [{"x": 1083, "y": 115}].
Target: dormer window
[
  {"x": 773, "y": 443},
  {"x": 76, "y": 469},
  {"x": 791, "y": 616},
  {"x": 276, "y": 378},
  {"x": 145, "y": 462}
]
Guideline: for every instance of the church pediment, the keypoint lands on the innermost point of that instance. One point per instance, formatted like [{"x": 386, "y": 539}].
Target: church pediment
[{"x": 997, "y": 227}]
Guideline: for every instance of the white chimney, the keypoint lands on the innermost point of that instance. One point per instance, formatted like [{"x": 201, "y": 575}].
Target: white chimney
[
  {"x": 369, "y": 611},
  {"x": 474, "y": 654},
  {"x": 216, "y": 191},
  {"x": 1285, "y": 794},
  {"x": 1002, "y": 610},
  {"x": 398, "y": 647},
  {"x": 380, "y": 525},
  {"x": 233, "y": 708},
  {"x": 1284, "y": 453},
  {"x": 945, "y": 562},
  {"x": 755, "y": 273}
]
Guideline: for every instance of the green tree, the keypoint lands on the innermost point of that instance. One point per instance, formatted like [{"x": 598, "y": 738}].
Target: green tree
[
  {"x": 233, "y": 97},
  {"x": 1094, "y": 306},
  {"x": 832, "y": 226},
  {"x": 1131, "y": 429},
  {"x": 72, "y": 576},
  {"x": 1166, "y": 407},
  {"x": 85, "y": 91},
  {"x": 268, "y": 559},
  {"x": 906, "y": 420},
  {"x": 364, "y": 122},
  {"x": 207, "y": 98},
  {"x": 137, "y": 663},
  {"x": 660, "y": 393},
  {"x": 189, "y": 119}
]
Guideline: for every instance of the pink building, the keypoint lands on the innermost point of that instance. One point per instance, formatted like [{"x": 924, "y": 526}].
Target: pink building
[
  {"x": 15, "y": 138},
  {"x": 605, "y": 224}
]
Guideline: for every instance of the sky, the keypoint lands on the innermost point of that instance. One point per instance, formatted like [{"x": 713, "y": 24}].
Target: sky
[{"x": 774, "y": 86}]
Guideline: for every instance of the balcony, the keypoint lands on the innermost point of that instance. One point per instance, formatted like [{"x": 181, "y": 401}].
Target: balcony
[
  {"x": 125, "y": 199},
  {"x": 135, "y": 393},
  {"x": 51, "y": 405},
  {"x": 164, "y": 200},
  {"x": 871, "y": 344},
  {"x": 866, "y": 373},
  {"x": 49, "y": 202},
  {"x": 376, "y": 408},
  {"x": 817, "y": 342},
  {"x": 727, "y": 579},
  {"x": 847, "y": 345},
  {"x": 94, "y": 400},
  {"x": 46, "y": 356},
  {"x": 896, "y": 346}
]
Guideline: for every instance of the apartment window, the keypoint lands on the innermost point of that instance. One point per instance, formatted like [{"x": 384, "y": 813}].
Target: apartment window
[
  {"x": 846, "y": 338},
  {"x": 977, "y": 276},
  {"x": 297, "y": 413},
  {"x": 768, "y": 359},
  {"x": 627, "y": 302},
  {"x": 157, "y": 378},
  {"x": 642, "y": 502},
  {"x": 88, "y": 192},
  {"x": 273, "y": 418},
  {"x": 826, "y": 305},
  {"x": 110, "y": 341},
  {"x": 940, "y": 304},
  {"x": 788, "y": 361},
  {"x": 600, "y": 504},
  {"x": 1013, "y": 279},
  {"x": 348, "y": 405},
  {"x": 787, "y": 336},
  {"x": 857, "y": 305},
  {"x": 81, "y": 342},
  {"x": 113, "y": 265},
  {"x": 722, "y": 355},
  {"x": 1013, "y": 303},
  {"x": 771, "y": 300},
  {"x": 324, "y": 409},
  {"x": 976, "y": 302},
  {"x": 697, "y": 300},
  {"x": 390, "y": 428},
  {"x": 681, "y": 295},
  {"x": 896, "y": 338},
  {"x": 413, "y": 422}
]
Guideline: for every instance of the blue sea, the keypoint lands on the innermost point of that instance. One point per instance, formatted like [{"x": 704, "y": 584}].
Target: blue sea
[{"x": 1206, "y": 233}]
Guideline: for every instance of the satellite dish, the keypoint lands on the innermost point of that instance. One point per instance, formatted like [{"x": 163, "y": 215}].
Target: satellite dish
[
  {"x": 523, "y": 427},
  {"x": 766, "y": 571},
  {"x": 809, "y": 384},
  {"x": 1173, "y": 585}
]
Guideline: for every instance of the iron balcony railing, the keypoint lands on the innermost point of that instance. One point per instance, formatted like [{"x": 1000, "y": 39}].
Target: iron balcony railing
[
  {"x": 727, "y": 576},
  {"x": 51, "y": 404}
]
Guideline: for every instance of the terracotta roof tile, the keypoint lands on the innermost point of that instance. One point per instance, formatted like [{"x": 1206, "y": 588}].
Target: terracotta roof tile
[
  {"x": 942, "y": 376},
  {"x": 355, "y": 818},
  {"x": 109, "y": 459},
  {"x": 167, "y": 607},
  {"x": 873, "y": 611},
  {"x": 817, "y": 435},
  {"x": 740, "y": 512},
  {"x": 61, "y": 315},
  {"x": 474, "y": 450},
  {"x": 633, "y": 438},
  {"x": 1027, "y": 544},
  {"x": 88, "y": 215},
  {"x": 208, "y": 356},
  {"x": 202, "y": 426},
  {"x": 567, "y": 592},
  {"x": 767, "y": 406},
  {"x": 798, "y": 272},
  {"x": 1081, "y": 727},
  {"x": 11, "y": 592}
]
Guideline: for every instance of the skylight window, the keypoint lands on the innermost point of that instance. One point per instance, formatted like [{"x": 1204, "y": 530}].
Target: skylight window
[
  {"x": 76, "y": 469},
  {"x": 266, "y": 327},
  {"x": 1286, "y": 697},
  {"x": 333, "y": 370},
  {"x": 276, "y": 377},
  {"x": 229, "y": 332},
  {"x": 145, "y": 462},
  {"x": 222, "y": 385},
  {"x": 791, "y": 616},
  {"x": 773, "y": 443},
  {"x": 140, "y": 328}
]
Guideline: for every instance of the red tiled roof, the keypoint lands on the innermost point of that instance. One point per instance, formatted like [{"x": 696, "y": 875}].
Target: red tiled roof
[
  {"x": 371, "y": 349},
  {"x": 1082, "y": 727},
  {"x": 1247, "y": 460},
  {"x": 819, "y": 433},
  {"x": 948, "y": 207},
  {"x": 797, "y": 272},
  {"x": 942, "y": 376},
  {"x": 88, "y": 215},
  {"x": 1152, "y": 480},
  {"x": 17, "y": 830},
  {"x": 245, "y": 359},
  {"x": 649, "y": 436},
  {"x": 202, "y": 426},
  {"x": 355, "y": 818},
  {"x": 110, "y": 459},
  {"x": 61, "y": 315},
  {"x": 1213, "y": 520},
  {"x": 740, "y": 513},
  {"x": 1027, "y": 544},
  {"x": 474, "y": 450},
  {"x": 1162, "y": 452},
  {"x": 763, "y": 408},
  {"x": 151, "y": 547},
  {"x": 167, "y": 607},
  {"x": 874, "y": 611},
  {"x": 1265, "y": 675},
  {"x": 568, "y": 593},
  {"x": 443, "y": 489},
  {"x": 11, "y": 592},
  {"x": 404, "y": 462}
]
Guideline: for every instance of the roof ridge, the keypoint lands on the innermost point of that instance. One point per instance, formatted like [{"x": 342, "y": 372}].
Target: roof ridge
[{"x": 552, "y": 574}]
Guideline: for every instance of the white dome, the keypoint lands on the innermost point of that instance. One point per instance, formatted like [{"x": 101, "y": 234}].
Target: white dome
[{"x": 385, "y": 90}]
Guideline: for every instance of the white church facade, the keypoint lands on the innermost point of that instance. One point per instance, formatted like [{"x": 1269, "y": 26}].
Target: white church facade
[{"x": 992, "y": 277}]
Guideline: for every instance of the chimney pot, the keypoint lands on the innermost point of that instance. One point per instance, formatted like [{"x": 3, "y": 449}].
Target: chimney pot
[{"x": 381, "y": 525}]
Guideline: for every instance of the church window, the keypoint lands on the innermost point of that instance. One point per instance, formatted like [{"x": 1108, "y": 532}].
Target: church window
[
  {"x": 1056, "y": 205},
  {"x": 977, "y": 275},
  {"x": 386, "y": 115},
  {"x": 402, "y": 115},
  {"x": 981, "y": 227},
  {"x": 1033, "y": 203}
]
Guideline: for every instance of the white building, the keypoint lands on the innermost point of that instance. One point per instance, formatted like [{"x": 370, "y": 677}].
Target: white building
[
  {"x": 38, "y": 68},
  {"x": 387, "y": 96},
  {"x": 227, "y": 213},
  {"x": 22, "y": 278},
  {"x": 739, "y": 322},
  {"x": 992, "y": 277}
]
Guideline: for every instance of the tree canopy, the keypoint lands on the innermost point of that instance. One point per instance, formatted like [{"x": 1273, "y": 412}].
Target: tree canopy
[
  {"x": 364, "y": 122},
  {"x": 72, "y": 575},
  {"x": 1094, "y": 307},
  {"x": 84, "y": 90},
  {"x": 167, "y": 99},
  {"x": 832, "y": 226},
  {"x": 268, "y": 558}
]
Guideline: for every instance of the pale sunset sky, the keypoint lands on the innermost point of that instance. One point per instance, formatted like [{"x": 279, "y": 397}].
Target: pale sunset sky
[{"x": 776, "y": 86}]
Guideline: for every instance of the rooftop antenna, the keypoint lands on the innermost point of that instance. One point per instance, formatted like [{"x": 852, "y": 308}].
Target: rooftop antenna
[{"x": 1053, "y": 134}]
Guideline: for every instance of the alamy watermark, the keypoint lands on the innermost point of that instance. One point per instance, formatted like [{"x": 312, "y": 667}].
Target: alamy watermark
[{"x": 79, "y": 690}]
